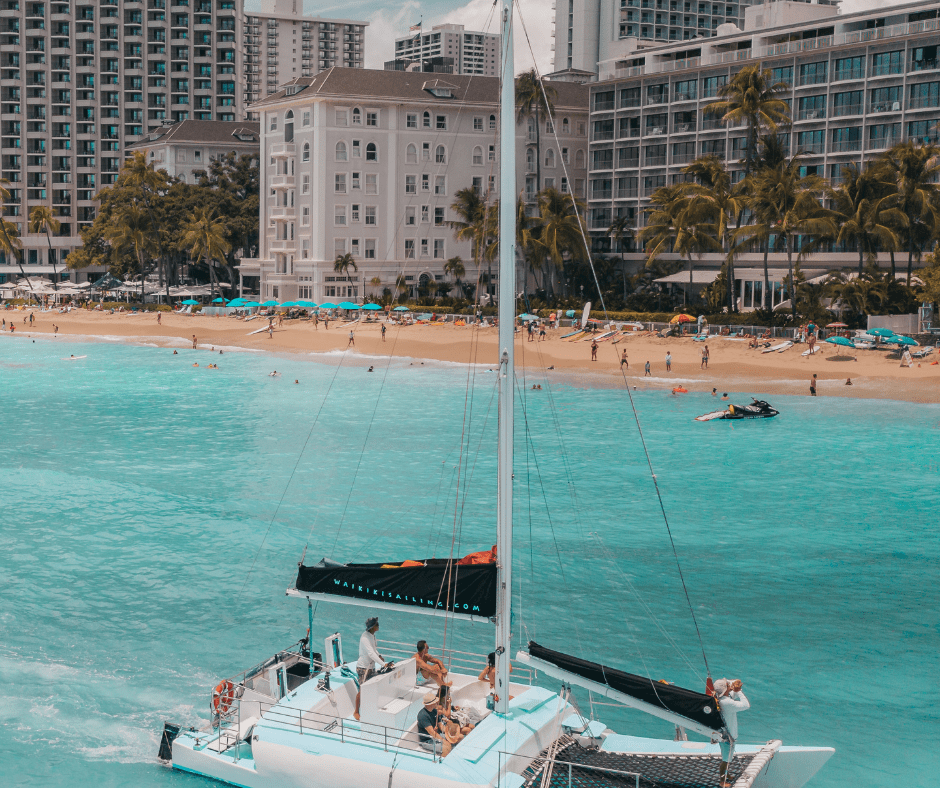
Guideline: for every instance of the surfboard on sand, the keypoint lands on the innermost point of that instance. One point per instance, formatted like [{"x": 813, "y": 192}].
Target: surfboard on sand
[
  {"x": 775, "y": 348},
  {"x": 810, "y": 352},
  {"x": 260, "y": 330}
]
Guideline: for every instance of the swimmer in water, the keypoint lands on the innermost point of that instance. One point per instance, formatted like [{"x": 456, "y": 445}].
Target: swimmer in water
[
  {"x": 175, "y": 353},
  {"x": 370, "y": 369},
  {"x": 274, "y": 374},
  {"x": 296, "y": 381},
  {"x": 195, "y": 365},
  {"x": 725, "y": 395}
]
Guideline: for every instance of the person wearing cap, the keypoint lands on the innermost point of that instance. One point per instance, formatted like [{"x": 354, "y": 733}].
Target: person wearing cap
[
  {"x": 368, "y": 656},
  {"x": 429, "y": 718},
  {"x": 730, "y": 701}
]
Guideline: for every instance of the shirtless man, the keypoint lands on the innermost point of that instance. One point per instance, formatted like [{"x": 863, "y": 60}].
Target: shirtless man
[{"x": 430, "y": 667}]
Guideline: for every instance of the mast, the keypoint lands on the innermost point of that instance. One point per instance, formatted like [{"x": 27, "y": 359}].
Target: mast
[{"x": 507, "y": 306}]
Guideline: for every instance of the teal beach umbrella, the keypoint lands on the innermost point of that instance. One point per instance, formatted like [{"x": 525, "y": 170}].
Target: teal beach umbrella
[
  {"x": 190, "y": 302},
  {"x": 371, "y": 307},
  {"x": 328, "y": 305}
]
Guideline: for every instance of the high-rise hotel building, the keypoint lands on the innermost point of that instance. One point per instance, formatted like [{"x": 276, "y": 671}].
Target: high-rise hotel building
[{"x": 281, "y": 44}]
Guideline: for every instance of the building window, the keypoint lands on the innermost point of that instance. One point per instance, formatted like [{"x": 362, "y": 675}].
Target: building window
[
  {"x": 354, "y": 213},
  {"x": 306, "y": 152},
  {"x": 410, "y": 218},
  {"x": 356, "y": 182},
  {"x": 339, "y": 246},
  {"x": 411, "y": 154},
  {"x": 441, "y": 123},
  {"x": 305, "y": 216},
  {"x": 372, "y": 152},
  {"x": 425, "y": 183},
  {"x": 478, "y": 124},
  {"x": 438, "y": 248},
  {"x": 426, "y": 120},
  {"x": 579, "y": 159},
  {"x": 370, "y": 249},
  {"x": 492, "y": 123},
  {"x": 440, "y": 184},
  {"x": 339, "y": 184},
  {"x": 425, "y": 247},
  {"x": 565, "y": 126},
  {"x": 410, "y": 184},
  {"x": 372, "y": 183},
  {"x": 306, "y": 119},
  {"x": 492, "y": 153},
  {"x": 342, "y": 117},
  {"x": 440, "y": 155},
  {"x": 409, "y": 248},
  {"x": 550, "y": 157},
  {"x": 273, "y": 125},
  {"x": 425, "y": 214},
  {"x": 341, "y": 151},
  {"x": 356, "y": 149},
  {"x": 289, "y": 126},
  {"x": 478, "y": 155},
  {"x": 305, "y": 184},
  {"x": 411, "y": 121},
  {"x": 372, "y": 118},
  {"x": 438, "y": 217},
  {"x": 339, "y": 215},
  {"x": 357, "y": 117},
  {"x": 370, "y": 215},
  {"x": 425, "y": 151}
]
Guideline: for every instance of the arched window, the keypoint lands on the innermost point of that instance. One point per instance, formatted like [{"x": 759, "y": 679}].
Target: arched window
[
  {"x": 357, "y": 117},
  {"x": 579, "y": 159},
  {"x": 478, "y": 155},
  {"x": 182, "y": 177},
  {"x": 550, "y": 157},
  {"x": 492, "y": 123},
  {"x": 411, "y": 154},
  {"x": 565, "y": 126},
  {"x": 340, "y": 151},
  {"x": 427, "y": 119},
  {"x": 289, "y": 126},
  {"x": 306, "y": 153},
  {"x": 372, "y": 152},
  {"x": 440, "y": 155}
]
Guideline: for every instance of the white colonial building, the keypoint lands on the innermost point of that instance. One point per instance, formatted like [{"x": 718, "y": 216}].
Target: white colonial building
[{"x": 368, "y": 163}]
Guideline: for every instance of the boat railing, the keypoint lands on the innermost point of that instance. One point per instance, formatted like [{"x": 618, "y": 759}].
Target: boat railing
[
  {"x": 456, "y": 661},
  {"x": 565, "y": 770}
]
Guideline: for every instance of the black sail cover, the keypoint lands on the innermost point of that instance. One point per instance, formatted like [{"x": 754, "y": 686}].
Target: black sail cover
[
  {"x": 439, "y": 584},
  {"x": 692, "y": 705}
]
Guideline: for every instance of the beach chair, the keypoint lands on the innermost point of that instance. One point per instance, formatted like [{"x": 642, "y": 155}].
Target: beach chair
[{"x": 924, "y": 352}]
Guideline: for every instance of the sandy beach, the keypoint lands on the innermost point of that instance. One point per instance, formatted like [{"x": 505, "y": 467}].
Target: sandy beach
[{"x": 733, "y": 367}]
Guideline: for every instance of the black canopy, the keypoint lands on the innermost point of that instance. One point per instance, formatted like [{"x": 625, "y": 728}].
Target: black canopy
[
  {"x": 692, "y": 705},
  {"x": 439, "y": 584}
]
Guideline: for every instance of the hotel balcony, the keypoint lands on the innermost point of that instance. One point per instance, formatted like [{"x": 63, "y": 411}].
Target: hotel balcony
[
  {"x": 282, "y": 150},
  {"x": 282, "y": 246},
  {"x": 282, "y": 213},
  {"x": 282, "y": 181}
]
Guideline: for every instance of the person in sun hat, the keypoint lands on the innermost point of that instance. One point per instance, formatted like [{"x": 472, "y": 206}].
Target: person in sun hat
[
  {"x": 368, "y": 656},
  {"x": 429, "y": 719},
  {"x": 731, "y": 701}
]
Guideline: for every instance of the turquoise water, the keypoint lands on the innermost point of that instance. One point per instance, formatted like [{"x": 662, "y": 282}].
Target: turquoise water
[{"x": 142, "y": 559}]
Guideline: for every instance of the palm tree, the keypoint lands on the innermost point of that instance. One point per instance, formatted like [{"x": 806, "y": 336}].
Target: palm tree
[
  {"x": 534, "y": 97},
  {"x": 796, "y": 211},
  {"x": 42, "y": 220},
  {"x": 909, "y": 169},
  {"x": 863, "y": 214},
  {"x": 753, "y": 99},
  {"x": 135, "y": 172},
  {"x": 527, "y": 230},
  {"x": 10, "y": 241},
  {"x": 474, "y": 224},
  {"x": 131, "y": 235},
  {"x": 204, "y": 236},
  {"x": 376, "y": 282},
  {"x": 621, "y": 230},
  {"x": 562, "y": 229},
  {"x": 455, "y": 268}
]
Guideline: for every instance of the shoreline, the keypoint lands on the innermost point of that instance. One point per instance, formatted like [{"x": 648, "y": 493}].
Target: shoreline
[{"x": 732, "y": 366}]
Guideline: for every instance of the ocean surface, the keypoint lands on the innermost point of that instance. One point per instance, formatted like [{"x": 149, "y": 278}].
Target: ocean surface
[{"x": 153, "y": 514}]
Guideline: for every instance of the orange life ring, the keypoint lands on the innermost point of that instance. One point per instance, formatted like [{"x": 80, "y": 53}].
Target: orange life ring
[
  {"x": 222, "y": 696},
  {"x": 680, "y": 390}
]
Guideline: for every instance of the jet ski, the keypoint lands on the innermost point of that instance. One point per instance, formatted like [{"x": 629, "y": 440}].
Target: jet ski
[{"x": 758, "y": 409}]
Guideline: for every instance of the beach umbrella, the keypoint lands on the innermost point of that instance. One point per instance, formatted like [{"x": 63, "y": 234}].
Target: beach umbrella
[
  {"x": 880, "y": 332},
  {"x": 569, "y": 313},
  {"x": 901, "y": 340},
  {"x": 269, "y": 302},
  {"x": 218, "y": 300},
  {"x": 286, "y": 304},
  {"x": 401, "y": 309},
  {"x": 525, "y": 317},
  {"x": 328, "y": 305},
  {"x": 683, "y": 318},
  {"x": 371, "y": 307},
  {"x": 251, "y": 304},
  {"x": 840, "y": 341},
  {"x": 307, "y": 304},
  {"x": 190, "y": 302},
  {"x": 236, "y": 302},
  {"x": 348, "y": 305},
  {"x": 837, "y": 325}
]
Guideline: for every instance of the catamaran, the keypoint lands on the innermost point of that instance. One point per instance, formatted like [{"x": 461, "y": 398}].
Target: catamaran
[{"x": 290, "y": 722}]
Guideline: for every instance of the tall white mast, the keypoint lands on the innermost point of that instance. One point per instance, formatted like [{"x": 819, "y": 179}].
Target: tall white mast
[{"x": 507, "y": 308}]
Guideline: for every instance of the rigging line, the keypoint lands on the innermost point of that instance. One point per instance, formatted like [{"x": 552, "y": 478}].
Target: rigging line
[
  {"x": 629, "y": 394},
  {"x": 316, "y": 419}
]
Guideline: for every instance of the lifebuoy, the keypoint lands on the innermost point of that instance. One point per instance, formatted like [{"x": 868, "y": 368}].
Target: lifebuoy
[
  {"x": 222, "y": 696},
  {"x": 680, "y": 390}
]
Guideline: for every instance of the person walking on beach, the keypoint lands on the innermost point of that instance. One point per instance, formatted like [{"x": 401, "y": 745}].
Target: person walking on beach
[
  {"x": 704, "y": 357},
  {"x": 315, "y": 321},
  {"x": 812, "y": 385},
  {"x": 623, "y": 360},
  {"x": 594, "y": 350},
  {"x": 541, "y": 332},
  {"x": 194, "y": 341},
  {"x": 159, "y": 318},
  {"x": 352, "y": 340},
  {"x": 55, "y": 329},
  {"x": 731, "y": 701},
  {"x": 668, "y": 361},
  {"x": 30, "y": 319},
  {"x": 383, "y": 331},
  {"x": 646, "y": 373}
]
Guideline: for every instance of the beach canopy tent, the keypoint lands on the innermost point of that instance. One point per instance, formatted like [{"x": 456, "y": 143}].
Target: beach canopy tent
[
  {"x": 371, "y": 307},
  {"x": 107, "y": 282},
  {"x": 190, "y": 302},
  {"x": 348, "y": 305},
  {"x": 401, "y": 308},
  {"x": 880, "y": 332},
  {"x": 328, "y": 305},
  {"x": 897, "y": 339}
]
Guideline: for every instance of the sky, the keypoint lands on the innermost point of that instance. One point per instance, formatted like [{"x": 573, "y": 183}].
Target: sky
[{"x": 390, "y": 19}]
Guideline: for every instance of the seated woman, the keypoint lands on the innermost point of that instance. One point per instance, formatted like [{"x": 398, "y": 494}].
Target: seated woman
[
  {"x": 429, "y": 667},
  {"x": 453, "y": 735}
]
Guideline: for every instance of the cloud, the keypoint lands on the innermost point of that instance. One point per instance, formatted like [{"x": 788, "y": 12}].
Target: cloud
[{"x": 387, "y": 24}]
